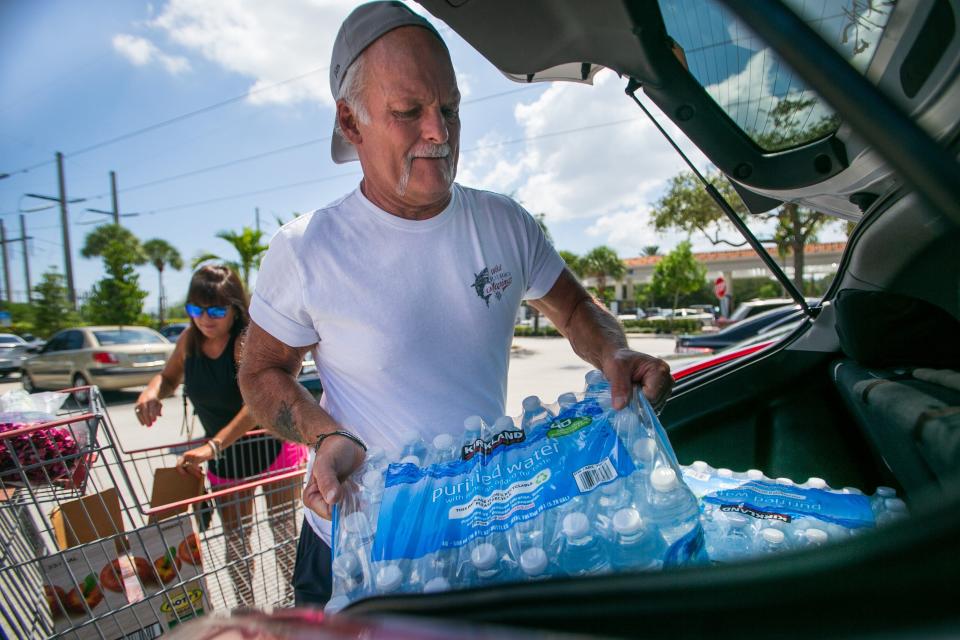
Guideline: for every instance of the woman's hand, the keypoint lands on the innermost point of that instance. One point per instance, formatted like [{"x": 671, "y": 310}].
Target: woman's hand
[
  {"x": 191, "y": 461},
  {"x": 148, "y": 408}
]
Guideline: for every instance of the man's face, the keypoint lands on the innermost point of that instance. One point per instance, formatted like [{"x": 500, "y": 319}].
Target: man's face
[{"x": 410, "y": 147}]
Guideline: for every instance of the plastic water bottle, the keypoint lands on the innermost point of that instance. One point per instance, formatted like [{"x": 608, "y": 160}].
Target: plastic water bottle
[
  {"x": 371, "y": 494},
  {"x": 566, "y": 400},
  {"x": 358, "y": 533},
  {"x": 534, "y": 414},
  {"x": 627, "y": 426},
  {"x": 814, "y": 483},
  {"x": 412, "y": 445},
  {"x": 812, "y": 537},
  {"x": 436, "y": 585},
  {"x": 444, "y": 449},
  {"x": 878, "y": 500},
  {"x": 388, "y": 578},
  {"x": 503, "y": 423},
  {"x": 785, "y": 481},
  {"x": 487, "y": 564},
  {"x": 347, "y": 574},
  {"x": 755, "y": 475},
  {"x": 893, "y": 509},
  {"x": 672, "y": 508},
  {"x": 440, "y": 564},
  {"x": 702, "y": 467},
  {"x": 609, "y": 499},
  {"x": 473, "y": 428},
  {"x": 735, "y": 538},
  {"x": 636, "y": 545},
  {"x": 583, "y": 552},
  {"x": 596, "y": 384},
  {"x": 534, "y": 564},
  {"x": 771, "y": 541},
  {"x": 376, "y": 458}
]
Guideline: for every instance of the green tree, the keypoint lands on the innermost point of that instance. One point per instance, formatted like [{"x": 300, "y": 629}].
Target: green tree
[
  {"x": 602, "y": 263},
  {"x": 573, "y": 262},
  {"x": 650, "y": 250},
  {"x": 160, "y": 254},
  {"x": 52, "y": 310},
  {"x": 117, "y": 298},
  {"x": 678, "y": 274},
  {"x": 249, "y": 248},
  {"x": 541, "y": 219}
]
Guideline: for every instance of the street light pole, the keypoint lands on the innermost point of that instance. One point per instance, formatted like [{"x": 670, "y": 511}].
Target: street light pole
[
  {"x": 113, "y": 194},
  {"x": 6, "y": 264},
  {"x": 26, "y": 257}
]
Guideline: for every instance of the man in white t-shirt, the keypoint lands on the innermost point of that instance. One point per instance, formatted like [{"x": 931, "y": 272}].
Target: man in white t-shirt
[{"x": 406, "y": 288}]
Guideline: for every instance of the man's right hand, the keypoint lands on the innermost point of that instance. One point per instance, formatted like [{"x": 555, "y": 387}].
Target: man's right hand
[{"x": 337, "y": 458}]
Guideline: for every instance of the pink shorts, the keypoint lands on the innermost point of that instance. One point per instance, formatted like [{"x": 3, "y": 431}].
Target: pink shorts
[{"x": 291, "y": 456}]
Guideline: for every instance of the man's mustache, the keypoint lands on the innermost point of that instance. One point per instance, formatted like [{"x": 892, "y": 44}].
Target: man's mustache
[{"x": 430, "y": 151}]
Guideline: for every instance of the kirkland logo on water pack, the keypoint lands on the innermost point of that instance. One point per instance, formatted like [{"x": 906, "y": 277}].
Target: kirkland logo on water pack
[{"x": 502, "y": 439}]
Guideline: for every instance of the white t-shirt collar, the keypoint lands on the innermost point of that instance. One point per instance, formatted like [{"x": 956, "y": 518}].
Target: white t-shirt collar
[{"x": 411, "y": 225}]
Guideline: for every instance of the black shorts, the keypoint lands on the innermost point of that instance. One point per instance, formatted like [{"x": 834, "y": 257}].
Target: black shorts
[
  {"x": 248, "y": 456},
  {"x": 312, "y": 583}
]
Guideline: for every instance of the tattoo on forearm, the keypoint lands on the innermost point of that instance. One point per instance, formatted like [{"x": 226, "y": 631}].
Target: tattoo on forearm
[{"x": 284, "y": 425}]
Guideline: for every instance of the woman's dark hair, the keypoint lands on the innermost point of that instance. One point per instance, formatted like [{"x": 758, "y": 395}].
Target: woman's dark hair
[{"x": 217, "y": 285}]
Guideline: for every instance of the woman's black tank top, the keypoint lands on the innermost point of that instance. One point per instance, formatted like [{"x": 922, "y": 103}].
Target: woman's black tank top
[{"x": 211, "y": 385}]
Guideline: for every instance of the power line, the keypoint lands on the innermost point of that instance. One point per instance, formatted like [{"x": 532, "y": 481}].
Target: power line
[{"x": 276, "y": 151}]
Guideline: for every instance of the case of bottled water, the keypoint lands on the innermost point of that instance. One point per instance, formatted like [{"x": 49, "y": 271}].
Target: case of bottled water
[
  {"x": 747, "y": 514},
  {"x": 571, "y": 488}
]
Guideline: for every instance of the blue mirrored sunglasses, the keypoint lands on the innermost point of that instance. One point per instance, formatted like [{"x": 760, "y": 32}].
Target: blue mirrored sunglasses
[{"x": 195, "y": 311}]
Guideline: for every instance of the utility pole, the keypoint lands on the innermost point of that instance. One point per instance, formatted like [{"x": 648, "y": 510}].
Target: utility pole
[
  {"x": 26, "y": 257},
  {"x": 115, "y": 211},
  {"x": 64, "y": 222},
  {"x": 65, "y": 227},
  {"x": 257, "y": 213},
  {"x": 6, "y": 263},
  {"x": 113, "y": 195}
]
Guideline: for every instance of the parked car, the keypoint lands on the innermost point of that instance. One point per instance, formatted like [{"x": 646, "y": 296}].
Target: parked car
[
  {"x": 13, "y": 349},
  {"x": 172, "y": 331},
  {"x": 808, "y": 405},
  {"x": 111, "y": 357},
  {"x": 710, "y": 342},
  {"x": 753, "y": 307},
  {"x": 684, "y": 314},
  {"x": 33, "y": 342},
  {"x": 698, "y": 361}
]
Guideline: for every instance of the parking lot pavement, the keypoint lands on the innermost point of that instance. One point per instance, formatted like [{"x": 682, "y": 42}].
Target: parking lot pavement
[{"x": 545, "y": 367}]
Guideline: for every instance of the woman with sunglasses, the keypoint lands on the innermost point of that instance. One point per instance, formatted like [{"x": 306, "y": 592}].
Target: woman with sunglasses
[{"x": 206, "y": 360}]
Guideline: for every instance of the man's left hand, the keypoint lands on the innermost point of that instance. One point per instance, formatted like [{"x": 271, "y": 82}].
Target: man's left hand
[{"x": 625, "y": 368}]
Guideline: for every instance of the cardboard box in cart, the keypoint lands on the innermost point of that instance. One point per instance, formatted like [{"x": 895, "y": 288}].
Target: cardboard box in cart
[{"x": 166, "y": 557}]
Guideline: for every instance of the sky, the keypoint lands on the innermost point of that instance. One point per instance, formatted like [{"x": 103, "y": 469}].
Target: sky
[{"x": 209, "y": 109}]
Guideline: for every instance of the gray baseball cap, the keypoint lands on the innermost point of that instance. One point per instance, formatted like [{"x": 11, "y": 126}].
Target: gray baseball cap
[{"x": 361, "y": 28}]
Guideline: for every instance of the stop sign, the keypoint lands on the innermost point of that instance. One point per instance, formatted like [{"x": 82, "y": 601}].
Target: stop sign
[{"x": 720, "y": 287}]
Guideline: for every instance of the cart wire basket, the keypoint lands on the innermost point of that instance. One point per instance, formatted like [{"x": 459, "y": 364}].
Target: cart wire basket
[{"x": 95, "y": 547}]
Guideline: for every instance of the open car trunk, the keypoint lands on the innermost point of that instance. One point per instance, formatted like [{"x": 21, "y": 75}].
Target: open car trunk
[{"x": 810, "y": 407}]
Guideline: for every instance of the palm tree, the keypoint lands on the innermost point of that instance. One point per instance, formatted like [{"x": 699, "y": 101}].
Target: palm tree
[
  {"x": 650, "y": 250},
  {"x": 161, "y": 253},
  {"x": 602, "y": 263},
  {"x": 573, "y": 262},
  {"x": 249, "y": 248}
]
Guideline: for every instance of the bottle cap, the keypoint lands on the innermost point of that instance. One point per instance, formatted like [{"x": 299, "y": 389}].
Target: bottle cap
[
  {"x": 895, "y": 504},
  {"x": 566, "y": 399},
  {"x": 345, "y": 564},
  {"x": 755, "y": 474},
  {"x": 356, "y": 523},
  {"x": 436, "y": 585},
  {"x": 816, "y": 483},
  {"x": 886, "y": 492},
  {"x": 663, "y": 479},
  {"x": 531, "y": 403},
  {"x": 372, "y": 480},
  {"x": 784, "y": 481},
  {"x": 503, "y": 423},
  {"x": 816, "y": 536},
  {"x": 414, "y": 460},
  {"x": 443, "y": 442},
  {"x": 700, "y": 465},
  {"x": 575, "y": 525},
  {"x": 389, "y": 578},
  {"x": 627, "y": 521},
  {"x": 724, "y": 473},
  {"x": 483, "y": 556},
  {"x": 473, "y": 423},
  {"x": 336, "y": 603},
  {"x": 772, "y": 536},
  {"x": 852, "y": 491},
  {"x": 736, "y": 520},
  {"x": 533, "y": 561}
]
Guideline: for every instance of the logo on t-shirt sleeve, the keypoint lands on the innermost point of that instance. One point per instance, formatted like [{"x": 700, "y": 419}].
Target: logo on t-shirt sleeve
[{"x": 491, "y": 283}]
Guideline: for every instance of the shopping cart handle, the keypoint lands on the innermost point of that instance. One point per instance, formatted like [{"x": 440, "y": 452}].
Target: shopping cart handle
[{"x": 181, "y": 505}]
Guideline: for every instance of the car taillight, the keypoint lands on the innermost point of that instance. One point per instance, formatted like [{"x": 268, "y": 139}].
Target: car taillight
[{"x": 105, "y": 357}]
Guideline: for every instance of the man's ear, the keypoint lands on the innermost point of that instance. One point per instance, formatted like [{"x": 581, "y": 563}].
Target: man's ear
[{"x": 347, "y": 120}]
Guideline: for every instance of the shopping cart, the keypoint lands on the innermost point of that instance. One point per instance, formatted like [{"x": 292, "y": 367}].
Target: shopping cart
[{"x": 85, "y": 553}]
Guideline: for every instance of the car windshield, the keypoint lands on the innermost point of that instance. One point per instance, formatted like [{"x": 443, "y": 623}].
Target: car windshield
[
  {"x": 763, "y": 96},
  {"x": 109, "y": 337},
  {"x": 10, "y": 341}
]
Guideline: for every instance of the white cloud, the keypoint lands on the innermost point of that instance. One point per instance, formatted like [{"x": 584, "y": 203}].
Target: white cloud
[
  {"x": 602, "y": 172},
  {"x": 142, "y": 52}
]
